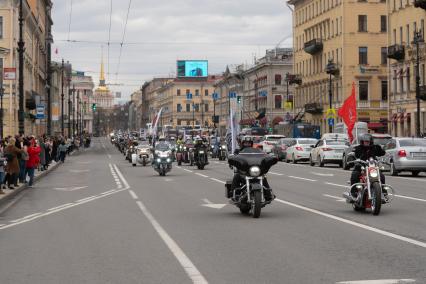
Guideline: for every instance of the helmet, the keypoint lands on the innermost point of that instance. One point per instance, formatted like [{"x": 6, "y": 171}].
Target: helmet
[
  {"x": 366, "y": 140},
  {"x": 162, "y": 138},
  {"x": 246, "y": 142}
]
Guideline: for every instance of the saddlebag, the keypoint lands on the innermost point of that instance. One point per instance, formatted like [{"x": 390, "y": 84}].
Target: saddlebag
[{"x": 228, "y": 189}]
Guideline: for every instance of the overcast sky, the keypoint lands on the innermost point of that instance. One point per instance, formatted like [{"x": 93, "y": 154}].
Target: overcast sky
[{"x": 225, "y": 32}]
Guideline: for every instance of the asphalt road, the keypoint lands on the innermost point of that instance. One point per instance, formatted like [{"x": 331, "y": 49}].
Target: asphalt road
[{"x": 97, "y": 219}]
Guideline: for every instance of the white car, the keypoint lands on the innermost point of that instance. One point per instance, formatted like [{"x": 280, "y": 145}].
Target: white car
[
  {"x": 300, "y": 149},
  {"x": 270, "y": 141},
  {"x": 328, "y": 151}
]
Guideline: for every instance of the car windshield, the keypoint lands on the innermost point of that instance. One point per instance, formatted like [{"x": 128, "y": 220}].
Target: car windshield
[
  {"x": 257, "y": 139},
  {"x": 162, "y": 147},
  {"x": 307, "y": 141},
  {"x": 412, "y": 142},
  {"x": 381, "y": 140},
  {"x": 335, "y": 142},
  {"x": 274, "y": 138}
]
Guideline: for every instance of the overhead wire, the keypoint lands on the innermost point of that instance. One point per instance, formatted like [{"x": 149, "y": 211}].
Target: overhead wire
[
  {"x": 122, "y": 40},
  {"x": 109, "y": 37},
  {"x": 70, "y": 19}
]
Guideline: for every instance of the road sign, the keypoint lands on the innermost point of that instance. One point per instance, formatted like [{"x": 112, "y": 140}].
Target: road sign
[
  {"x": 215, "y": 96},
  {"x": 40, "y": 111},
  {"x": 9, "y": 73},
  {"x": 232, "y": 95},
  {"x": 330, "y": 121},
  {"x": 331, "y": 113},
  {"x": 189, "y": 96}
]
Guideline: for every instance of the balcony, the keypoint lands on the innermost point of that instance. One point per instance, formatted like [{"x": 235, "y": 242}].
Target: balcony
[
  {"x": 420, "y": 4},
  {"x": 396, "y": 52},
  {"x": 384, "y": 104},
  {"x": 363, "y": 104},
  {"x": 313, "y": 108},
  {"x": 313, "y": 46}
]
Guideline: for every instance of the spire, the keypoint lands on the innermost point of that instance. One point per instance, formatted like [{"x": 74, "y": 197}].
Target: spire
[{"x": 102, "y": 75}]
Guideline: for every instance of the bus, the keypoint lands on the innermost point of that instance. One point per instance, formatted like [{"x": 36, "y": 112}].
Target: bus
[{"x": 359, "y": 129}]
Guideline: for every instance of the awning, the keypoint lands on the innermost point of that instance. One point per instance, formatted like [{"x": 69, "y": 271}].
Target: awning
[
  {"x": 375, "y": 125},
  {"x": 247, "y": 121},
  {"x": 400, "y": 117},
  {"x": 394, "y": 117},
  {"x": 277, "y": 120},
  {"x": 408, "y": 116}
]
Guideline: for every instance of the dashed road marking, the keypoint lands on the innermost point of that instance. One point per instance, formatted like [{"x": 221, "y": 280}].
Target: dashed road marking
[
  {"x": 301, "y": 178},
  {"x": 409, "y": 197},
  {"x": 201, "y": 175},
  {"x": 133, "y": 194},
  {"x": 335, "y": 184},
  {"x": 60, "y": 206},
  {"x": 340, "y": 199},
  {"x": 379, "y": 281},
  {"x": 218, "y": 180},
  {"x": 189, "y": 171},
  {"x": 274, "y": 173}
]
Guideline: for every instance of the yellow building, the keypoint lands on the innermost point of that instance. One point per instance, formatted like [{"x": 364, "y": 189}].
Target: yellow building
[
  {"x": 103, "y": 97},
  {"x": 404, "y": 20},
  {"x": 353, "y": 35},
  {"x": 178, "y": 111}
]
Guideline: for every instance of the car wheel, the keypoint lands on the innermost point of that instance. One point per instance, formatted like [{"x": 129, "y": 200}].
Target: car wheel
[
  {"x": 321, "y": 162},
  {"x": 415, "y": 173},
  {"x": 393, "y": 170},
  {"x": 294, "y": 160}
]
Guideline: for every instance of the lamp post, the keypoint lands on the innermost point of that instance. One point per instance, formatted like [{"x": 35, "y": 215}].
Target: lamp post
[
  {"x": 331, "y": 69},
  {"x": 73, "y": 111},
  {"x": 49, "y": 41},
  {"x": 21, "y": 50},
  {"x": 417, "y": 40},
  {"x": 69, "y": 107},
  {"x": 62, "y": 99},
  {"x": 1, "y": 107}
]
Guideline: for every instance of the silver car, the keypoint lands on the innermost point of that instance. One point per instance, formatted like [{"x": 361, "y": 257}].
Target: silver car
[
  {"x": 328, "y": 151},
  {"x": 300, "y": 150},
  {"x": 405, "y": 154}
]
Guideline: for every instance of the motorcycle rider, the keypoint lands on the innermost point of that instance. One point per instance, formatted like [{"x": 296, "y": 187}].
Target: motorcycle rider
[
  {"x": 199, "y": 145},
  {"x": 246, "y": 147},
  {"x": 365, "y": 150}
]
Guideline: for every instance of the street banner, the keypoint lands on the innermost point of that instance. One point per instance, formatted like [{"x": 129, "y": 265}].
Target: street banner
[
  {"x": 155, "y": 122},
  {"x": 40, "y": 111},
  {"x": 348, "y": 112},
  {"x": 55, "y": 111},
  {"x": 232, "y": 132}
]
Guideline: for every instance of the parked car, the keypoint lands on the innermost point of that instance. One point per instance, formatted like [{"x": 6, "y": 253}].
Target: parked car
[
  {"x": 269, "y": 142},
  {"x": 280, "y": 149},
  {"x": 257, "y": 142},
  {"x": 379, "y": 139},
  {"x": 300, "y": 150},
  {"x": 328, "y": 151},
  {"x": 405, "y": 154}
]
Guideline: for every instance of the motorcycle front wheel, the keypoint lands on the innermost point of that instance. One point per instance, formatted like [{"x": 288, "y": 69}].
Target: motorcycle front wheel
[
  {"x": 376, "y": 198},
  {"x": 244, "y": 208},
  {"x": 257, "y": 204}
]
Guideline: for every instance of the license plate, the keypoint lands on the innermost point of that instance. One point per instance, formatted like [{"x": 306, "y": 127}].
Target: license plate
[{"x": 422, "y": 154}]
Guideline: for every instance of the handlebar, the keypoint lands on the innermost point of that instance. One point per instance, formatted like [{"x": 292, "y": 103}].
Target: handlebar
[{"x": 360, "y": 162}]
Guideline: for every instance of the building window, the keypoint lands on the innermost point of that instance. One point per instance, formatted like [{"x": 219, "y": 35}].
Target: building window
[
  {"x": 362, "y": 23},
  {"x": 277, "y": 79},
  {"x": 179, "y": 108},
  {"x": 206, "y": 93},
  {"x": 278, "y": 101},
  {"x": 1, "y": 27},
  {"x": 363, "y": 50},
  {"x": 383, "y": 24},
  {"x": 400, "y": 36},
  {"x": 197, "y": 92},
  {"x": 422, "y": 28},
  {"x": 384, "y": 90},
  {"x": 188, "y": 107},
  {"x": 408, "y": 79},
  {"x": 363, "y": 90},
  {"x": 188, "y": 91},
  {"x": 422, "y": 70},
  {"x": 408, "y": 34},
  {"x": 384, "y": 55},
  {"x": 206, "y": 107},
  {"x": 401, "y": 81},
  {"x": 178, "y": 92},
  {"x": 197, "y": 107}
]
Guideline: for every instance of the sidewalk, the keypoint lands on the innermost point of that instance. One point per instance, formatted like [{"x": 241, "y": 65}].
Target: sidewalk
[{"x": 10, "y": 194}]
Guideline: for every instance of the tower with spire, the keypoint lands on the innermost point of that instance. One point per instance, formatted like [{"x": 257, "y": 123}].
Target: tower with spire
[{"x": 103, "y": 97}]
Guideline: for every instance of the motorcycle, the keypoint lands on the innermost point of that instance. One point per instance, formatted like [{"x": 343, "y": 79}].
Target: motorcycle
[
  {"x": 371, "y": 193},
  {"x": 188, "y": 154},
  {"x": 179, "y": 154},
  {"x": 223, "y": 153},
  {"x": 201, "y": 158},
  {"x": 142, "y": 156},
  {"x": 250, "y": 195},
  {"x": 162, "y": 163}
]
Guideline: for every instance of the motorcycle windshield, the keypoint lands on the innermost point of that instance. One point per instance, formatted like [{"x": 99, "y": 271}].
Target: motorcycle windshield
[{"x": 247, "y": 159}]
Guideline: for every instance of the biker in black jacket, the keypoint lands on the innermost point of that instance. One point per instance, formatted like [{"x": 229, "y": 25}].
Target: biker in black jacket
[{"x": 365, "y": 150}]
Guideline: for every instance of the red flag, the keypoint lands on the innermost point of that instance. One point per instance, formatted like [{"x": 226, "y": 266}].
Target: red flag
[{"x": 348, "y": 112}]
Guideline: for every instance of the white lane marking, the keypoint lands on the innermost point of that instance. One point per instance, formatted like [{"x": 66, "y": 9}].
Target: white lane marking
[
  {"x": 201, "y": 175},
  {"x": 355, "y": 224},
  {"x": 188, "y": 170},
  {"x": 307, "y": 179},
  {"x": 133, "y": 194},
  {"x": 121, "y": 177},
  {"x": 109, "y": 191},
  {"x": 109, "y": 156},
  {"x": 26, "y": 217},
  {"x": 70, "y": 188},
  {"x": 60, "y": 206},
  {"x": 335, "y": 197},
  {"x": 379, "y": 281},
  {"x": 79, "y": 171},
  {"x": 192, "y": 271},
  {"x": 277, "y": 174},
  {"x": 214, "y": 206},
  {"x": 411, "y": 198},
  {"x": 205, "y": 200},
  {"x": 335, "y": 184},
  {"x": 322, "y": 175},
  {"x": 218, "y": 180},
  {"x": 87, "y": 198}
]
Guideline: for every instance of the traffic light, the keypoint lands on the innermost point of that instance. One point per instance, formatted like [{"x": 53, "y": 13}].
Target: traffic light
[
  {"x": 238, "y": 99},
  {"x": 94, "y": 107}
]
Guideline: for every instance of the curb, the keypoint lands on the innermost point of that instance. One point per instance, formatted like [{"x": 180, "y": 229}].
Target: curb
[{"x": 6, "y": 199}]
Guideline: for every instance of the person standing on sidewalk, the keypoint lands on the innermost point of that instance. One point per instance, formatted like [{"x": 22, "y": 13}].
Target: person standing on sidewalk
[
  {"x": 2, "y": 164},
  {"x": 62, "y": 149},
  {"x": 12, "y": 168},
  {"x": 23, "y": 158},
  {"x": 33, "y": 160}
]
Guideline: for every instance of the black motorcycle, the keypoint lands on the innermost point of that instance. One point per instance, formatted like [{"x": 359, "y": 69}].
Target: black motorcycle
[
  {"x": 201, "y": 157},
  {"x": 222, "y": 153},
  {"x": 250, "y": 194}
]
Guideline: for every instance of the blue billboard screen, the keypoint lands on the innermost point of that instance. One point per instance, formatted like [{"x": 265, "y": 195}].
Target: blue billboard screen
[{"x": 192, "y": 68}]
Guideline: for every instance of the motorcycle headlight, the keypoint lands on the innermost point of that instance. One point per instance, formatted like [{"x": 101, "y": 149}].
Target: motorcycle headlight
[
  {"x": 223, "y": 147},
  {"x": 168, "y": 160},
  {"x": 184, "y": 148},
  {"x": 158, "y": 160},
  {"x": 254, "y": 171},
  {"x": 201, "y": 152},
  {"x": 374, "y": 173}
]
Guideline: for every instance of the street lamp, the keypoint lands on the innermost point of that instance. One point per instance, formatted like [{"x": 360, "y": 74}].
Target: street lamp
[
  {"x": 331, "y": 69},
  {"x": 417, "y": 40},
  {"x": 1, "y": 107},
  {"x": 21, "y": 50},
  {"x": 62, "y": 99}
]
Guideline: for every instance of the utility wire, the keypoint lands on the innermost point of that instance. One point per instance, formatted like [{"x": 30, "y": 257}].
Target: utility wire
[
  {"x": 109, "y": 36},
  {"x": 69, "y": 22},
  {"x": 122, "y": 41}
]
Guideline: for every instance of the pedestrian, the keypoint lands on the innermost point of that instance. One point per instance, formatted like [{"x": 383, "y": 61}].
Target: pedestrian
[
  {"x": 2, "y": 164},
  {"x": 42, "y": 154},
  {"x": 62, "y": 149},
  {"x": 12, "y": 168},
  {"x": 19, "y": 143},
  {"x": 33, "y": 160},
  {"x": 23, "y": 159},
  {"x": 55, "y": 145}
]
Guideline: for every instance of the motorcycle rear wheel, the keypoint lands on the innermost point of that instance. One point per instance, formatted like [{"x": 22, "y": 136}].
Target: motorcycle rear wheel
[
  {"x": 257, "y": 205},
  {"x": 376, "y": 198}
]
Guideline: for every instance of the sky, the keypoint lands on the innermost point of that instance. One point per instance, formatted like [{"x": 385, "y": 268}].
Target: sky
[{"x": 159, "y": 32}]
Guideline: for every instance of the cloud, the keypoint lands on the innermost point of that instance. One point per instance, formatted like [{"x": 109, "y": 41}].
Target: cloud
[{"x": 159, "y": 32}]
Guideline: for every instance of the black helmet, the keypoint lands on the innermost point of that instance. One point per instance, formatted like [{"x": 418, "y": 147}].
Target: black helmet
[
  {"x": 366, "y": 140},
  {"x": 246, "y": 142}
]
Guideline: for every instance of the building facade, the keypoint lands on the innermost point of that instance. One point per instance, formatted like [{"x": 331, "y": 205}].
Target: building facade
[
  {"x": 404, "y": 20},
  {"x": 82, "y": 99},
  {"x": 353, "y": 36},
  {"x": 103, "y": 97}
]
